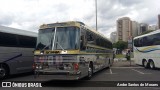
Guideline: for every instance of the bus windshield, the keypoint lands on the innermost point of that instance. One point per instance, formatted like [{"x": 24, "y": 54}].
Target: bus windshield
[
  {"x": 63, "y": 38},
  {"x": 45, "y": 37}
]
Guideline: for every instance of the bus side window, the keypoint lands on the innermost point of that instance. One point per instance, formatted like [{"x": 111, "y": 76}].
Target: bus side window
[
  {"x": 83, "y": 40},
  {"x": 145, "y": 41},
  {"x": 156, "y": 39},
  {"x": 7, "y": 39},
  {"x": 26, "y": 41},
  {"x": 140, "y": 42}
]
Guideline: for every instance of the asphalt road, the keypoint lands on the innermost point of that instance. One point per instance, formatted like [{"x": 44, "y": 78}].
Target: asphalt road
[{"x": 121, "y": 72}]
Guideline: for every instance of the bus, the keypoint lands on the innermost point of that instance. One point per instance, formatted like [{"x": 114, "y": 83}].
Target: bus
[
  {"x": 147, "y": 50},
  {"x": 16, "y": 51},
  {"x": 70, "y": 51}
]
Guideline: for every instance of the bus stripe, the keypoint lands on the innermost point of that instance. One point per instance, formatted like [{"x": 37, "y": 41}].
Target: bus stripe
[
  {"x": 14, "y": 57},
  {"x": 149, "y": 50}
]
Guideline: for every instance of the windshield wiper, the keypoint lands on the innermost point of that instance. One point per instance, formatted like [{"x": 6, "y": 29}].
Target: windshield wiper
[
  {"x": 60, "y": 45},
  {"x": 49, "y": 42},
  {"x": 46, "y": 46}
]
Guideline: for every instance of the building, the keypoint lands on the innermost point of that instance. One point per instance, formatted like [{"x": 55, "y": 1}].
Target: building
[
  {"x": 159, "y": 21},
  {"x": 113, "y": 37},
  {"x": 152, "y": 27},
  {"x": 124, "y": 29},
  {"x": 135, "y": 28},
  {"x": 143, "y": 28}
]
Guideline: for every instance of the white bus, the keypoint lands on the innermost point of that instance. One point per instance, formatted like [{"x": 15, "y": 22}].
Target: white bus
[
  {"x": 147, "y": 50},
  {"x": 16, "y": 51}
]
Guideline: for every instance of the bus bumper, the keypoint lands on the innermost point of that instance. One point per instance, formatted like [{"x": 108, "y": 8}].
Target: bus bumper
[{"x": 59, "y": 75}]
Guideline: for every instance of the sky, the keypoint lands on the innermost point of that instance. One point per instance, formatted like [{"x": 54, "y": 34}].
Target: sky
[{"x": 30, "y": 14}]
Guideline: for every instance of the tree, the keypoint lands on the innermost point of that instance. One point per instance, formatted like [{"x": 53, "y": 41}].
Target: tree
[
  {"x": 121, "y": 45},
  {"x": 147, "y": 32}
]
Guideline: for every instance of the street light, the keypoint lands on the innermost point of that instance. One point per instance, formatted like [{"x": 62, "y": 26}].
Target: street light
[{"x": 96, "y": 14}]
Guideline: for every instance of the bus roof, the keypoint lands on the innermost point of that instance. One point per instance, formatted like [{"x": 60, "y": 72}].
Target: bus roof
[
  {"x": 72, "y": 23},
  {"x": 151, "y": 33},
  {"x": 17, "y": 31}
]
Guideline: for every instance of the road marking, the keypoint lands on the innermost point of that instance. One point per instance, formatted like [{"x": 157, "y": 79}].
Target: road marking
[
  {"x": 110, "y": 71},
  {"x": 127, "y": 67},
  {"x": 140, "y": 71}
]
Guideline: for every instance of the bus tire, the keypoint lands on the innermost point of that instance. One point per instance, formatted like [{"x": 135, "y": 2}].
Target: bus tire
[
  {"x": 151, "y": 64},
  {"x": 90, "y": 71},
  {"x": 4, "y": 72},
  {"x": 145, "y": 64}
]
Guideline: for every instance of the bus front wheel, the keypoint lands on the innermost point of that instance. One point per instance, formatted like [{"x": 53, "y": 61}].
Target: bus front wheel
[
  {"x": 3, "y": 71},
  {"x": 90, "y": 71}
]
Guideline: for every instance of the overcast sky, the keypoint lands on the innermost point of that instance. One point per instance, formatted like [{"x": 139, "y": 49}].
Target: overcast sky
[{"x": 30, "y": 14}]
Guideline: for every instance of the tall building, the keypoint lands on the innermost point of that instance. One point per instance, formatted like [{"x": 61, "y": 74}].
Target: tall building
[
  {"x": 134, "y": 27},
  {"x": 139, "y": 32},
  {"x": 113, "y": 37},
  {"x": 159, "y": 21},
  {"x": 124, "y": 29},
  {"x": 143, "y": 28}
]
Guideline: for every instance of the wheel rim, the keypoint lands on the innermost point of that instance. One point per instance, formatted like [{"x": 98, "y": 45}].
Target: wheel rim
[
  {"x": 145, "y": 63},
  {"x": 89, "y": 72},
  {"x": 2, "y": 72},
  {"x": 152, "y": 65}
]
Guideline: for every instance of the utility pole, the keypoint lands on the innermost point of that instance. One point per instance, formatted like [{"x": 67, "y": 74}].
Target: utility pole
[{"x": 96, "y": 14}]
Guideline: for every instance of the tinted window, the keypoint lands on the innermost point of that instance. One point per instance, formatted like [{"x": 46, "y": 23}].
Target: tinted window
[
  {"x": 90, "y": 37},
  {"x": 12, "y": 40},
  {"x": 136, "y": 42},
  {"x": 148, "y": 40},
  {"x": 26, "y": 41},
  {"x": 7, "y": 39},
  {"x": 98, "y": 40},
  {"x": 155, "y": 39}
]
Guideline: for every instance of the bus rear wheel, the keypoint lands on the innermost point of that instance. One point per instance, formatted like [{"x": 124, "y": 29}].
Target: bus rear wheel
[
  {"x": 3, "y": 71},
  {"x": 145, "y": 64},
  {"x": 151, "y": 65}
]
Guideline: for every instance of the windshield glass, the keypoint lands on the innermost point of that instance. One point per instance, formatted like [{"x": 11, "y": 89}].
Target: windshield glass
[
  {"x": 44, "y": 40},
  {"x": 66, "y": 38}
]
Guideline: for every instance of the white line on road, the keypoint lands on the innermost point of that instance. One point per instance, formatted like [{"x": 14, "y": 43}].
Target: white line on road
[
  {"x": 140, "y": 71},
  {"x": 110, "y": 71},
  {"x": 127, "y": 67}
]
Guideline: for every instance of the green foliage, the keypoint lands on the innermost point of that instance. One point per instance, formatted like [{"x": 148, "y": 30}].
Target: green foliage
[
  {"x": 147, "y": 32},
  {"x": 120, "y": 45},
  {"x": 120, "y": 56}
]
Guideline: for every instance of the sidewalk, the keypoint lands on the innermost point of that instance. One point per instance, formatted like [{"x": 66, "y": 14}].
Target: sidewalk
[{"x": 122, "y": 62}]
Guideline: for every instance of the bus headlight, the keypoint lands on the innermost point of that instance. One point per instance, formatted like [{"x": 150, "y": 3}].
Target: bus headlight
[
  {"x": 67, "y": 67},
  {"x": 40, "y": 67},
  {"x": 36, "y": 67},
  {"x": 63, "y": 52},
  {"x": 41, "y": 52}
]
